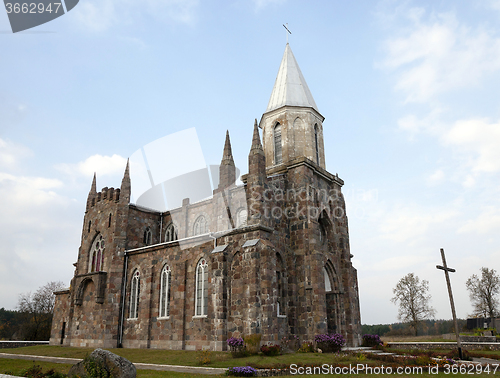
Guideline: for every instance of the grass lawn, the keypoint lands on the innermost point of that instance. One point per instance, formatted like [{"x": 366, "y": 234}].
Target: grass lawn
[
  {"x": 190, "y": 358},
  {"x": 187, "y": 358}
]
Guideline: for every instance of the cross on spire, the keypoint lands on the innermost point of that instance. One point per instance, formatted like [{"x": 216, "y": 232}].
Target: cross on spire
[{"x": 289, "y": 32}]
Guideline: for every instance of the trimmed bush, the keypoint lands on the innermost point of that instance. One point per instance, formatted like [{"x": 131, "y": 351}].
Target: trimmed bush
[
  {"x": 371, "y": 340},
  {"x": 270, "y": 350},
  {"x": 329, "y": 343}
]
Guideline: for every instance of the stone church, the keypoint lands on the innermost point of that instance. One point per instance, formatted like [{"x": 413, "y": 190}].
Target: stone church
[{"x": 268, "y": 257}]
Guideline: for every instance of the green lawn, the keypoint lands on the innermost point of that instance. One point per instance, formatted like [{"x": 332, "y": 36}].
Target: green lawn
[{"x": 190, "y": 358}]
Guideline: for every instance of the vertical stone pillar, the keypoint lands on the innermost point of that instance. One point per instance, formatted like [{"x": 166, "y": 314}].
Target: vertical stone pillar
[{"x": 219, "y": 300}]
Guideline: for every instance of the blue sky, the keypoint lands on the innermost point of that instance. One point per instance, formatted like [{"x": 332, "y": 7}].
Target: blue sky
[{"x": 409, "y": 91}]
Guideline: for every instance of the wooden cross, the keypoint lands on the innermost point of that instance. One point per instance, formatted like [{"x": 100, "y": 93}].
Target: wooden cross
[
  {"x": 447, "y": 275},
  {"x": 286, "y": 27}
]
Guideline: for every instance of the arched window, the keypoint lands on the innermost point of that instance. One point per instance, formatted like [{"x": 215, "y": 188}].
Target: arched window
[
  {"x": 165, "y": 279},
  {"x": 200, "y": 226},
  {"x": 148, "y": 236},
  {"x": 97, "y": 254},
  {"x": 328, "y": 282},
  {"x": 316, "y": 142},
  {"x": 278, "y": 158},
  {"x": 171, "y": 233},
  {"x": 280, "y": 278},
  {"x": 241, "y": 218},
  {"x": 201, "y": 298},
  {"x": 134, "y": 295}
]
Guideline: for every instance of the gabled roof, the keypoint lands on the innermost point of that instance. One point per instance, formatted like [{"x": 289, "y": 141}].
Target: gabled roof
[{"x": 290, "y": 87}]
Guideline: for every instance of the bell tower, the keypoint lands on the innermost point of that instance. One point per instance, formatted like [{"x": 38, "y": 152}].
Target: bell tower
[{"x": 292, "y": 124}]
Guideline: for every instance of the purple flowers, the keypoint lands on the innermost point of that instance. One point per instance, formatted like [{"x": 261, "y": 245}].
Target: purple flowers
[
  {"x": 235, "y": 343},
  {"x": 330, "y": 343},
  {"x": 242, "y": 371}
]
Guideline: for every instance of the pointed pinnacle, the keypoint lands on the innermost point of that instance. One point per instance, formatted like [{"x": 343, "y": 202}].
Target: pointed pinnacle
[
  {"x": 228, "y": 153},
  {"x": 256, "y": 144},
  {"x": 93, "y": 188},
  {"x": 126, "y": 175}
]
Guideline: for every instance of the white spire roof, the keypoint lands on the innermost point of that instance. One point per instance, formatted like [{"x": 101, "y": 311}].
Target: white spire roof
[{"x": 290, "y": 87}]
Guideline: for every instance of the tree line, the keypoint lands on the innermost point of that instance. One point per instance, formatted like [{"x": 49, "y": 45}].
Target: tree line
[
  {"x": 32, "y": 320},
  {"x": 427, "y": 327}
]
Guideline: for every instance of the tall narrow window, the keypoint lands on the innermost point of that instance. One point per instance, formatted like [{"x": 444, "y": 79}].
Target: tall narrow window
[
  {"x": 109, "y": 220},
  {"x": 148, "y": 235},
  {"x": 278, "y": 158},
  {"x": 328, "y": 282},
  {"x": 134, "y": 295},
  {"x": 201, "y": 299},
  {"x": 90, "y": 224},
  {"x": 171, "y": 233},
  {"x": 316, "y": 142},
  {"x": 200, "y": 226},
  {"x": 165, "y": 278},
  {"x": 96, "y": 254}
]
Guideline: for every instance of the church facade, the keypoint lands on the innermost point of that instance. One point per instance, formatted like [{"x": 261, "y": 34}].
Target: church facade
[{"x": 268, "y": 257}]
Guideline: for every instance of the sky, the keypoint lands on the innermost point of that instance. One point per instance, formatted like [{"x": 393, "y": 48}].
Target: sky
[{"x": 409, "y": 90}]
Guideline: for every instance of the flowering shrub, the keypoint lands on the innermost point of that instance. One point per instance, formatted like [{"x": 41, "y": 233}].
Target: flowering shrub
[
  {"x": 237, "y": 347},
  {"x": 241, "y": 371},
  {"x": 270, "y": 350},
  {"x": 371, "y": 340},
  {"x": 235, "y": 343},
  {"x": 330, "y": 343}
]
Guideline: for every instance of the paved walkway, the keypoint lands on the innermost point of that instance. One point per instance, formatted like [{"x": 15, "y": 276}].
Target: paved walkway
[{"x": 141, "y": 366}]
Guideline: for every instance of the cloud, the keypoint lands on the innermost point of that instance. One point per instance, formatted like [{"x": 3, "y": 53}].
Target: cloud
[
  {"x": 409, "y": 223},
  {"x": 437, "y": 54},
  {"x": 101, "y": 15},
  {"x": 11, "y": 154},
  {"x": 102, "y": 165},
  {"x": 37, "y": 224},
  {"x": 480, "y": 137},
  {"x": 488, "y": 220},
  {"x": 436, "y": 177}
]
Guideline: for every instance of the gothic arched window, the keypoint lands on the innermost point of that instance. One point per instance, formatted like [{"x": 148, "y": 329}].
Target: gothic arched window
[
  {"x": 241, "y": 218},
  {"x": 316, "y": 143},
  {"x": 171, "y": 233},
  {"x": 165, "y": 279},
  {"x": 328, "y": 282},
  {"x": 134, "y": 295},
  {"x": 278, "y": 157},
  {"x": 200, "y": 226},
  {"x": 148, "y": 236},
  {"x": 201, "y": 297},
  {"x": 97, "y": 254}
]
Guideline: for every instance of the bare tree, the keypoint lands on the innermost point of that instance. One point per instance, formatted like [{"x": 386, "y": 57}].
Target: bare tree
[
  {"x": 411, "y": 294},
  {"x": 37, "y": 310},
  {"x": 483, "y": 292}
]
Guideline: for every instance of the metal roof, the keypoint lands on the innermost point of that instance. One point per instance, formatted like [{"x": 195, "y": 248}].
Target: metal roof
[{"x": 290, "y": 87}]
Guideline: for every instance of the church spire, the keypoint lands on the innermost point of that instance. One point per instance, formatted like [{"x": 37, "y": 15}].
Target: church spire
[
  {"x": 227, "y": 169},
  {"x": 227, "y": 156},
  {"x": 256, "y": 144},
  {"x": 290, "y": 87},
  {"x": 125, "y": 189},
  {"x": 93, "y": 192},
  {"x": 93, "y": 188}
]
